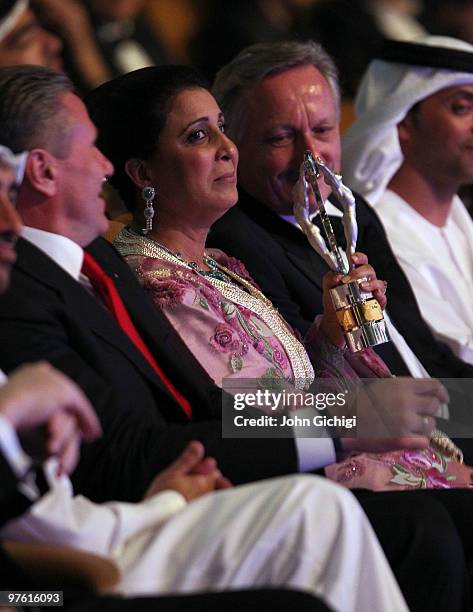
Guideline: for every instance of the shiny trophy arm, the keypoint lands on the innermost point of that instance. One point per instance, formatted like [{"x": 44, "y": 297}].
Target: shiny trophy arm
[
  {"x": 300, "y": 194},
  {"x": 346, "y": 199}
]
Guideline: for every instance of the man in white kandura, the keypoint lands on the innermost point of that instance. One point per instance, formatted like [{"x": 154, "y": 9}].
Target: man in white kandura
[{"x": 408, "y": 152}]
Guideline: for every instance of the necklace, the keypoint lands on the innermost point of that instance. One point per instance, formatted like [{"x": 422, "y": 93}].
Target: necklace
[{"x": 214, "y": 272}]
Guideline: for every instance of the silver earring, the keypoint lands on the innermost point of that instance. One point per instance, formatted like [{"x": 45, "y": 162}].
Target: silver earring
[{"x": 148, "y": 194}]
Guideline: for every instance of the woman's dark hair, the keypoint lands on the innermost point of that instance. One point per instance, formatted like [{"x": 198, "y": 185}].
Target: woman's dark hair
[{"x": 130, "y": 113}]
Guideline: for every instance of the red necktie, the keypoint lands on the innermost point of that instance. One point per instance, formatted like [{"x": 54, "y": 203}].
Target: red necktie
[{"x": 105, "y": 287}]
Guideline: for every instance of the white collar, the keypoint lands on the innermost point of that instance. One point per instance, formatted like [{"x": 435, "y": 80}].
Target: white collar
[
  {"x": 393, "y": 204},
  {"x": 63, "y": 251}
]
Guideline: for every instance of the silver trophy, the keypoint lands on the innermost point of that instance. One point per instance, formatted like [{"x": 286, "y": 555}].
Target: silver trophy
[{"x": 358, "y": 312}]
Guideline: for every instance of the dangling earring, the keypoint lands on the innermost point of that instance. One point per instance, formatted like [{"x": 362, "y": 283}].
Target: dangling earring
[{"x": 148, "y": 194}]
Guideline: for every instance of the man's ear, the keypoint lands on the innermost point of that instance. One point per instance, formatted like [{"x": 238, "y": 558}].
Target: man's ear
[
  {"x": 137, "y": 170},
  {"x": 41, "y": 171},
  {"x": 404, "y": 129}
]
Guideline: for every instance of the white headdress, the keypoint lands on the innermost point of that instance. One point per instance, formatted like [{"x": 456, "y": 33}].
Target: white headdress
[{"x": 389, "y": 89}]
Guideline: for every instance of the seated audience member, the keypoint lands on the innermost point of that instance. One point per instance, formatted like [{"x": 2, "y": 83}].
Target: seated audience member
[
  {"x": 209, "y": 298},
  {"x": 158, "y": 544},
  {"x": 23, "y": 40},
  {"x": 182, "y": 538},
  {"x": 124, "y": 377},
  {"x": 175, "y": 146},
  {"x": 279, "y": 100},
  {"x": 48, "y": 313},
  {"x": 408, "y": 153}
]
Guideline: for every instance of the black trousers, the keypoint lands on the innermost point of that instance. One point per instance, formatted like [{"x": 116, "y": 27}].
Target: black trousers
[
  {"x": 427, "y": 537},
  {"x": 276, "y": 600}
]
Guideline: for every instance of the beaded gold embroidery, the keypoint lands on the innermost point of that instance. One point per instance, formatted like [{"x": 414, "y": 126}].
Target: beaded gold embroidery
[{"x": 442, "y": 443}]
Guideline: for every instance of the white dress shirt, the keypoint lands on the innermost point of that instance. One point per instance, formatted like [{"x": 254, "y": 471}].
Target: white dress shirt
[
  {"x": 63, "y": 251},
  {"x": 11, "y": 449}
]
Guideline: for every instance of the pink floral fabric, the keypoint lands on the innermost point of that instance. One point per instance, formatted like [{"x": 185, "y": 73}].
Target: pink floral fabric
[
  {"x": 227, "y": 339},
  {"x": 400, "y": 470},
  {"x": 230, "y": 340},
  {"x": 386, "y": 471}
]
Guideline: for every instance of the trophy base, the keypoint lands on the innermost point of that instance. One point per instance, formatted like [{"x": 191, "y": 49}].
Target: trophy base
[
  {"x": 370, "y": 334},
  {"x": 360, "y": 317}
]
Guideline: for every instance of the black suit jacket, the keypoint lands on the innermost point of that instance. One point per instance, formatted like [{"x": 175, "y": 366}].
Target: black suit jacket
[
  {"x": 46, "y": 314},
  {"x": 290, "y": 273}
]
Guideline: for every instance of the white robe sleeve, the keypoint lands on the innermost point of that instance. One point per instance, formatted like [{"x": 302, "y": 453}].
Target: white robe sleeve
[{"x": 59, "y": 517}]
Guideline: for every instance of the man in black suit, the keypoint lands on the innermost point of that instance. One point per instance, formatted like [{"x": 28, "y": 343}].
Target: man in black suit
[
  {"x": 48, "y": 313},
  {"x": 279, "y": 100}
]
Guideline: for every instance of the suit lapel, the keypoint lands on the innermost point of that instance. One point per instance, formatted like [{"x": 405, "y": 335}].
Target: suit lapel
[
  {"x": 290, "y": 238},
  {"x": 78, "y": 300}
]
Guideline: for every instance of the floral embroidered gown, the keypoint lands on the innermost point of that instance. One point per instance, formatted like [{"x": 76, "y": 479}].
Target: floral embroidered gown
[{"x": 234, "y": 332}]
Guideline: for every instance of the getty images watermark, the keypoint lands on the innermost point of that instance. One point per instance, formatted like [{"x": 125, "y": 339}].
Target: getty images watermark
[
  {"x": 297, "y": 403},
  {"x": 257, "y": 412},
  {"x": 341, "y": 408}
]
